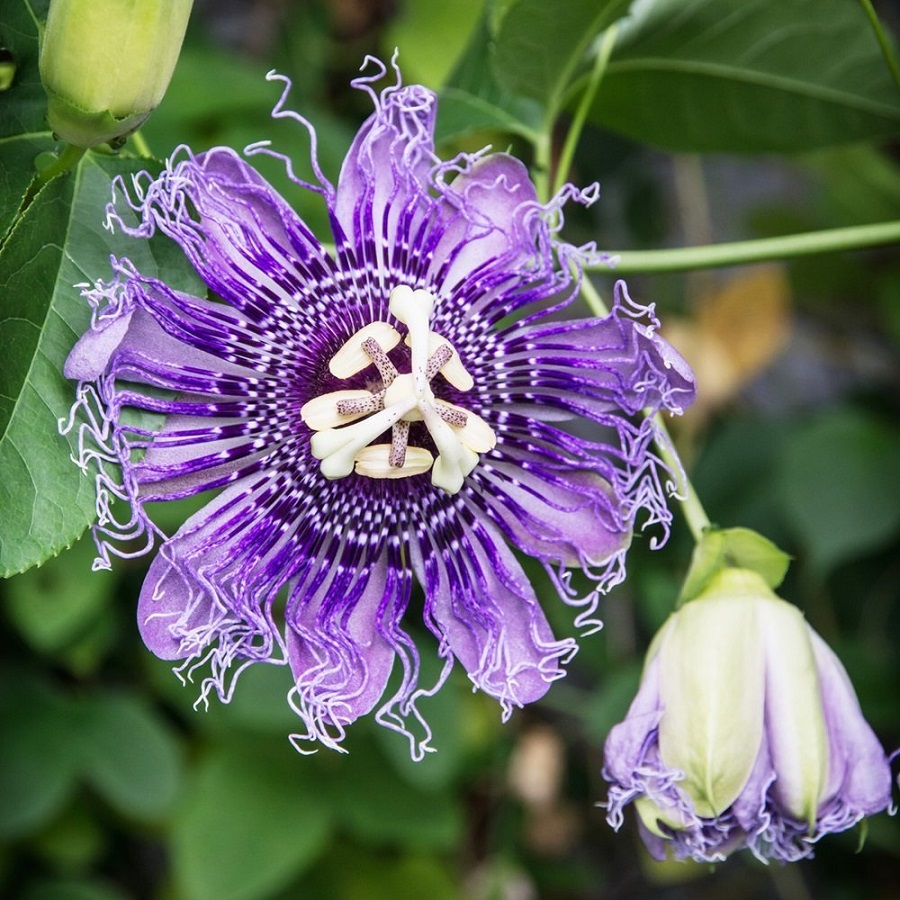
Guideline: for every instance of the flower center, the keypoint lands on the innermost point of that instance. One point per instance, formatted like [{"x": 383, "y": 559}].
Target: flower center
[{"x": 346, "y": 422}]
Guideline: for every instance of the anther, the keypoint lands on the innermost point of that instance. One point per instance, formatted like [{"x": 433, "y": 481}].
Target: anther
[
  {"x": 399, "y": 439},
  {"x": 386, "y": 368},
  {"x": 452, "y": 415},
  {"x": 360, "y": 405},
  {"x": 438, "y": 360}
]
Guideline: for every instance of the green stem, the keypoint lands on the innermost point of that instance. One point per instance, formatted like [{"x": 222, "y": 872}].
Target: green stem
[
  {"x": 883, "y": 42},
  {"x": 543, "y": 146},
  {"x": 142, "y": 148},
  {"x": 587, "y": 98},
  {"x": 691, "y": 507},
  {"x": 68, "y": 159},
  {"x": 684, "y": 259}
]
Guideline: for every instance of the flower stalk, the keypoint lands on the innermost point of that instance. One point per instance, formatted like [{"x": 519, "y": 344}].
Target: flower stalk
[{"x": 810, "y": 243}]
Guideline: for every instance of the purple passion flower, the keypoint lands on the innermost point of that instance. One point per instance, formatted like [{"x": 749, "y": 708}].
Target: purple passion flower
[
  {"x": 746, "y": 732},
  {"x": 396, "y": 410}
]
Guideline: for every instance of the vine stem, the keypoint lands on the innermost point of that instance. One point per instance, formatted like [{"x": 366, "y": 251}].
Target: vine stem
[
  {"x": 883, "y": 42},
  {"x": 683, "y": 259},
  {"x": 67, "y": 160},
  {"x": 567, "y": 154},
  {"x": 691, "y": 507}
]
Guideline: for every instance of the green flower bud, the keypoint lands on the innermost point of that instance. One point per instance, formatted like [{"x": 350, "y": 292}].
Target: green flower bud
[
  {"x": 106, "y": 64},
  {"x": 745, "y": 730}
]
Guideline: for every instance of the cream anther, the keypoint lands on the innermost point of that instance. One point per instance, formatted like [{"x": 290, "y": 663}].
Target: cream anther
[
  {"x": 352, "y": 358},
  {"x": 347, "y": 422},
  {"x": 453, "y": 370},
  {"x": 338, "y": 447},
  {"x": 374, "y": 462}
]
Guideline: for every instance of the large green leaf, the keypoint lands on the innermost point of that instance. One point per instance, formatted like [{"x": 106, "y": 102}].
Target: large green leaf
[
  {"x": 840, "y": 484},
  {"x": 129, "y": 755},
  {"x": 747, "y": 76},
  {"x": 58, "y": 244},
  {"x": 251, "y": 821},
  {"x": 46, "y": 502},
  {"x": 538, "y": 46},
  {"x": 24, "y": 106},
  {"x": 472, "y": 100}
]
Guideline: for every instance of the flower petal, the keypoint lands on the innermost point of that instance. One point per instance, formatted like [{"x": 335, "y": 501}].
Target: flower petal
[
  {"x": 712, "y": 655},
  {"x": 483, "y": 609},
  {"x": 342, "y": 640},
  {"x": 859, "y": 778}
]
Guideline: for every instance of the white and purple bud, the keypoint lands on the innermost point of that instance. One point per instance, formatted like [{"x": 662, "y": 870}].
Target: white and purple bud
[
  {"x": 746, "y": 732},
  {"x": 106, "y": 64}
]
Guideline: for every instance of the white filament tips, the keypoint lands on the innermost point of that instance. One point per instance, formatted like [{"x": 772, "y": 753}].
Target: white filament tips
[{"x": 347, "y": 422}]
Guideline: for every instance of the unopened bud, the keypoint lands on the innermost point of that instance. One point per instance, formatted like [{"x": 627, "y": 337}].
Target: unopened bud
[{"x": 106, "y": 64}]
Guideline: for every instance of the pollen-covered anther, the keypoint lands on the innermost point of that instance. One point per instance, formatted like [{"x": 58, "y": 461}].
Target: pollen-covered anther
[
  {"x": 338, "y": 408},
  {"x": 459, "y": 435},
  {"x": 375, "y": 461},
  {"x": 353, "y": 358}
]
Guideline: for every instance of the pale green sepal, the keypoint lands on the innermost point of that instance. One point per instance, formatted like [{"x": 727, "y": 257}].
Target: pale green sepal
[
  {"x": 795, "y": 722},
  {"x": 712, "y": 688},
  {"x": 652, "y": 815},
  {"x": 739, "y": 548},
  {"x": 83, "y": 128}
]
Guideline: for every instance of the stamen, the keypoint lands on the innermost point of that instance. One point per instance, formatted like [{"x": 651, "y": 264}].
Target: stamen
[
  {"x": 437, "y": 360},
  {"x": 351, "y": 358},
  {"x": 459, "y": 435},
  {"x": 361, "y": 405},
  {"x": 452, "y": 415},
  {"x": 453, "y": 370},
  {"x": 337, "y": 447},
  {"x": 374, "y": 462},
  {"x": 386, "y": 369},
  {"x": 399, "y": 439},
  {"x": 336, "y": 408}
]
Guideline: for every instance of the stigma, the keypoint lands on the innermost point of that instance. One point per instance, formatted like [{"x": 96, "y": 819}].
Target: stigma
[{"x": 347, "y": 422}]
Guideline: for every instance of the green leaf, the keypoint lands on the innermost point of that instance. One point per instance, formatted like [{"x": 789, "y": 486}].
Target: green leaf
[
  {"x": 538, "y": 46},
  {"x": 378, "y": 808},
  {"x": 252, "y": 820},
  {"x": 840, "y": 480},
  {"x": 46, "y": 501},
  {"x": 38, "y": 758},
  {"x": 58, "y": 603},
  {"x": 738, "y": 548},
  {"x": 59, "y": 243},
  {"x": 472, "y": 101},
  {"x": 17, "y": 170},
  {"x": 129, "y": 756},
  {"x": 747, "y": 76},
  {"x": 24, "y": 106}
]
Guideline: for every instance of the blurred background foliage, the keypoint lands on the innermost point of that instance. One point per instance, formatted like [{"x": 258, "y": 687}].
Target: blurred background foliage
[{"x": 113, "y": 786}]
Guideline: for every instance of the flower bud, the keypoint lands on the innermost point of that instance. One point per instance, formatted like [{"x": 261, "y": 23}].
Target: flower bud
[
  {"x": 745, "y": 732},
  {"x": 105, "y": 64}
]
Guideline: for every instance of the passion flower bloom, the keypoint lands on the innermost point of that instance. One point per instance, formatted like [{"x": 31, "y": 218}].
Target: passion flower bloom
[
  {"x": 746, "y": 732},
  {"x": 397, "y": 410}
]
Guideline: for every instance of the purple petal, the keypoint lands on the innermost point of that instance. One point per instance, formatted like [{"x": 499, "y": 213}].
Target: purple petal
[
  {"x": 628, "y": 743},
  {"x": 483, "y": 609},
  {"x": 859, "y": 775},
  {"x": 342, "y": 640},
  {"x": 494, "y": 196}
]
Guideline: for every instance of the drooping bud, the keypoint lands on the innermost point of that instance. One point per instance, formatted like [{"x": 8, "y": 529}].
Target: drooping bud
[
  {"x": 746, "y": 731},
  {"x": 106, "y": 64}
]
